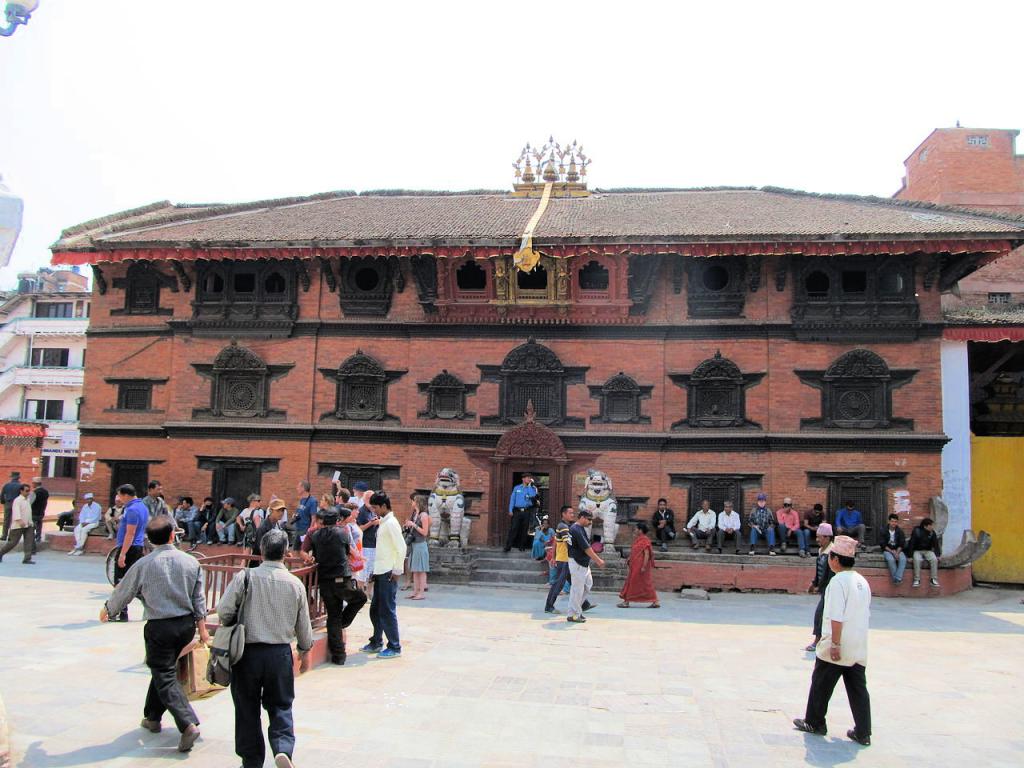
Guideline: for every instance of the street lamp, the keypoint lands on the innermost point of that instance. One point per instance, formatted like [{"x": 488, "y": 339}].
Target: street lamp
[{"x": 17, "y": 13}]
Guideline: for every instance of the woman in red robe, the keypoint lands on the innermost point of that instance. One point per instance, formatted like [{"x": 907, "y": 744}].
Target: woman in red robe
[{"x": 639, "y": 586}]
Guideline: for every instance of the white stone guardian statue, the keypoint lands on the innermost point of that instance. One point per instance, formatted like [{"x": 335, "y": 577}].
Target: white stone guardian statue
[
  {"x": 599, "y": 499},
  {"x": 449, "y": 525}
]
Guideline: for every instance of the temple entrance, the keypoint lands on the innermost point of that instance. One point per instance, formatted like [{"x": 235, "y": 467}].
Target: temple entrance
[
  {"x": 543, "y": 482},
  {"x": 530, "y": 447}
]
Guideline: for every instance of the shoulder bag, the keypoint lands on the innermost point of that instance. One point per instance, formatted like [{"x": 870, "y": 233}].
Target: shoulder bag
[{"x": 228, "y": 643}]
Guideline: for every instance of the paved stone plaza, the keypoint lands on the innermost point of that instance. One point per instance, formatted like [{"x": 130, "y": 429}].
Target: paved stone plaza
[{"x": 487, "y": 679}]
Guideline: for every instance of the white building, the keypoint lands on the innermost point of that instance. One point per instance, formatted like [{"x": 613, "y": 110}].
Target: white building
[{"x": 42, "y": 359}]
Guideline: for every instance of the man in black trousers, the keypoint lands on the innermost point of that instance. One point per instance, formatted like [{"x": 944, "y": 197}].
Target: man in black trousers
[
  {"x": 10, "y": 491},
  {"x": 39, "y": 498},
  {"x": 520, "y": 506},
  {"x": 842, "y": 650},
  {"x": 170, "y": 584},
  {"x": 329, "y": 546}
]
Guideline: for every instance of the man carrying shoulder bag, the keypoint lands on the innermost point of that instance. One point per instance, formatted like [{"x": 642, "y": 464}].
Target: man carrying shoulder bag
[{"x": 275, "y": 609}]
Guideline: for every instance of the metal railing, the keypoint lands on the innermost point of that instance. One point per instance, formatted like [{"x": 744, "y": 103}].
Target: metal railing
[{"x": 219, "y": 570}]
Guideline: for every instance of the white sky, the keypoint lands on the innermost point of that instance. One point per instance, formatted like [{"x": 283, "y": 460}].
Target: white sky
[{"x": 114, "y": 104}]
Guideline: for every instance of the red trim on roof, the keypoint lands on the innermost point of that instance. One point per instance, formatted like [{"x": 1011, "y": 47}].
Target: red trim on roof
[
  {"x": 989, "y": 333},
  {"x": 558, "y": 251},
  {"x": 21, "y": 430}
]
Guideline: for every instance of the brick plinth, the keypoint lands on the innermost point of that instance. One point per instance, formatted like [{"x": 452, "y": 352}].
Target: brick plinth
[{"x": 794, "y": 579}]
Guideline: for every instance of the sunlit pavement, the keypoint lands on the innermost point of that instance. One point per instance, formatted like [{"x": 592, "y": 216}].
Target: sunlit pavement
[{"x": 488, "y": 679}]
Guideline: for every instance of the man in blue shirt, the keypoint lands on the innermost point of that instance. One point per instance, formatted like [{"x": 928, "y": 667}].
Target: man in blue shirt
[
  {"x": 850, "y": 523},
  {"x": 131, "y": 536},
  {"x": 304, "y": 511},
  {"x": 520, "y": 505}
]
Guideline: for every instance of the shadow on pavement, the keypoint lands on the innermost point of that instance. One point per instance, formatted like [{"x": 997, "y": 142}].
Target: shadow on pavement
[{"x": 97, "y": 754}]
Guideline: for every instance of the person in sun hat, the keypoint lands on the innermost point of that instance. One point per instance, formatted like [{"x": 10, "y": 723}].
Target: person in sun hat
[{"x": 843, "y": 650}]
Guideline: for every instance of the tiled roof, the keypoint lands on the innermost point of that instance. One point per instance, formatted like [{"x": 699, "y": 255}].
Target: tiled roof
[{"x": 686, "y": 215}]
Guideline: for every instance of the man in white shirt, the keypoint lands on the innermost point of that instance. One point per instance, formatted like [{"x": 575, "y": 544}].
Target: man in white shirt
[
  {"x": 843, "y": 649},
  {"x": 21, "y": 526},
  {"x": 89, "y": 517},
  {"x": 387, "y": 569},
  {"x": 702, "y": 526},
  {"x": 729, "y": 524}
]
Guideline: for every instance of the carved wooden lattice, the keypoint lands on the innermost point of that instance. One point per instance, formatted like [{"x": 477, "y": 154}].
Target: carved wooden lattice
[
  {"x": 532, "y": 373},
  {"x": 856, "y": 393},
  {"x": 362, "y": 389},
  {"x": 716, "y": 394}
]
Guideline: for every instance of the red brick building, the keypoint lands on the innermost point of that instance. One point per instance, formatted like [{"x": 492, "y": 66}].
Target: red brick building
[{"x": 691, "y": 344}]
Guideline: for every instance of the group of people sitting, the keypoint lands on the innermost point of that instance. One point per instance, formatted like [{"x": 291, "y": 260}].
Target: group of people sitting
[{"x": 782, "y": 527}]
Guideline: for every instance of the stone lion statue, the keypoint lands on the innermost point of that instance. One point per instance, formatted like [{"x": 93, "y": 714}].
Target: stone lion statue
[
  {"x": 599, "y": 499},
  {"x": 449, "y": 525}
]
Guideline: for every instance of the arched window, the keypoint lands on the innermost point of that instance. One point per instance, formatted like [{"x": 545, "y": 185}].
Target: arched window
[
  {"x": 594, "y": 277},
  {"x": 817, "y": 285},
  {"x": 856, "y": 393},
  {"x": 535, "y": 280},
  {"x": 471, "y": 277},
  {"x": 362, "y": 389},
  {"x": 715, "y": 277},
  {"x": 275, "y": 284}
]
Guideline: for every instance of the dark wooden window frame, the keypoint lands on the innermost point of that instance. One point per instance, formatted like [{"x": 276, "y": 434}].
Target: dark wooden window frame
[
  {"x": 142, "y": 284},
  {"x": 360, "y": 372},
  {"x": 238, "y": 373},
  {"x": 446, "y": 386},
  {"x": 624, "y": 388},
  {"x": 879, "y": 483},
  {"x": 126, "y": 385},
  {"x": 532, "y": 366},
  {"x": 721, "y": 380},
  {"x": 856, "y": 393}
]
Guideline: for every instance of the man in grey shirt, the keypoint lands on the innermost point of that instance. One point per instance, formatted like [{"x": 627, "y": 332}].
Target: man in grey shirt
[
  {"x": 170, "y": 585},
  {"x": 276, "y": 613}
]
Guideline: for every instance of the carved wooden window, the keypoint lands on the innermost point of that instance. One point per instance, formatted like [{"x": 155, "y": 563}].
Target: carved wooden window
[
  {"x": 240, "y": 387},
  {"x": 534, "y": 281},
  {"x": 869, "y": 492},
  {"x": 367, "y": 284},
  {"x": 593, "y": 277},
  {"x": 446, "y": 397},
  {"x": 856, "y": 393},
  {"x": 142, "y": 284},
  {"x": 716, "y": 394},
  {"x": 532, "y": 373},
  {"x": 470, "y": 278},
  {"x": 245, "y": 296},
  {"x": 717, "y": 489},
  {"x": 854, "y": 298},
  {"x": 362, "y": 389},
  {"x": 135, "y": 396},
  {"x": 716, "y": 286},
  {"x": 620, "y": 398}
]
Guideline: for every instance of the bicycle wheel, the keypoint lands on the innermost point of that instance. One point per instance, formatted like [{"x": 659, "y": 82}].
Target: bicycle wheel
[{"x": 111, "y": 563}]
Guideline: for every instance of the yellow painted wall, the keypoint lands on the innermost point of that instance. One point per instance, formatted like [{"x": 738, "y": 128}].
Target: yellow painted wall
[{"x": 997, "y": 490}]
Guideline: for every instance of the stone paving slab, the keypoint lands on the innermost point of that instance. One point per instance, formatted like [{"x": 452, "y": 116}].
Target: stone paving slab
[{"x": 488, "y": 679}]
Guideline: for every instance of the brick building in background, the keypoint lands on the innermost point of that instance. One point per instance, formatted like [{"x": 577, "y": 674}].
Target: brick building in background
[
  {"x": 983, "y": 343},
  {"x": 691, "y": 344}
]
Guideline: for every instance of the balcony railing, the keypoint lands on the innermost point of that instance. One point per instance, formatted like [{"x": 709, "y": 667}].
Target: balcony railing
[
  {"x": 27, "y": 375},
  {"x": 50, "y": 326}
]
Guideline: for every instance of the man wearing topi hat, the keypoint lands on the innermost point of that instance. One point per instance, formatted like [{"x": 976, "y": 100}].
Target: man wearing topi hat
[
  {"x": 842, "y": 651},
  {"x": 89, "y": 517}
]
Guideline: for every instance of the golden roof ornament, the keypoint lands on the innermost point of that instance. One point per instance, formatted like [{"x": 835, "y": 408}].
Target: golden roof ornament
[{"x": 564, "y": 168}]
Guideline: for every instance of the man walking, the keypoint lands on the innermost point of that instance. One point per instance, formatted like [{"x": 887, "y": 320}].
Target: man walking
[
  {"x": 39, "y": 497},
  {"x": 131, "y": 537},
  {"x": 170, "y": 584},
  {"x": 276, "y": 613},
  {"x": 843, "y": 649},
  {"x": 520, "y": 506},
  {"x": 303, "y": 512},
  {"x": 330, "y": 545},
  {"x": 89, "y": 517},
  {"x": 581, "y": 554},
  {"x": 21, "y": 526},
  {"x": 10, "y": 491},
  {"x": 561, "y": 574},
  {"x": 387, "y": 570}
]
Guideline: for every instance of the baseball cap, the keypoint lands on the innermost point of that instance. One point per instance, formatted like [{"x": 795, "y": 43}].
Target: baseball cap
[
  {"x": 228, "y": 500},
  {"x": 277, "y": 504},
  {"x": 359, "y": 485},
  {"x": 762, "y": 497},
  {"x": 88, "y": 496}
]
